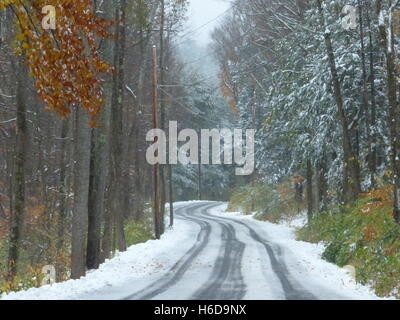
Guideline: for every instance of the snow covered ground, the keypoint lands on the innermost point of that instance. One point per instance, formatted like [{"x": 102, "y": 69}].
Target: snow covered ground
[
  {"x": 220, "y": 254},
  {"x": 140, "y": 261},
  {"x": 304, "y": 258}
]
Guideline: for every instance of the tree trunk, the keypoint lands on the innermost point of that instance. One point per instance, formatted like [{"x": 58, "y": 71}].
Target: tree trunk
[
  {"x": 372, "y": 157},
  {"x": 100, "y": 165},
  {"x": 351, "y": 168},
  {"x": 140, "y": 174},
  {"x": 389, "y": 46},
  {"x": 316, "y": 190},
  {"x": 81, "y": 194},
  {"x": 62, "y": 211},
  {"x": 116, "y": 191},
  {"x": 18, "y": 179},
  {"x": 322, "y": 185},
  {"x": 310, "y": 198}
]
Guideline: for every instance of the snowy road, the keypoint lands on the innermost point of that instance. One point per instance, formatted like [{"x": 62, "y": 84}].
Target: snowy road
[
  {"x": 211, "y": 254},
  {"x": 230, "y": 259}
]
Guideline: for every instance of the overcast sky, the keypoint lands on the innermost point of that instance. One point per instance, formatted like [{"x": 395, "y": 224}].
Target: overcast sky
[{"x": 201, "y": 12}]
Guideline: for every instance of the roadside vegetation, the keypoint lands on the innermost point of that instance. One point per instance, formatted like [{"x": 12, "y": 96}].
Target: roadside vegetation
[
  {"x": 362, "y": 234},
  {"x": 268, "y": 202},
  {"x": 30, "y": 273}
]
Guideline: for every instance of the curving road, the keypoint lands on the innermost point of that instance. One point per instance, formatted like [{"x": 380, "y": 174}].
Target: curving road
[{"x": 230, "y": 260}]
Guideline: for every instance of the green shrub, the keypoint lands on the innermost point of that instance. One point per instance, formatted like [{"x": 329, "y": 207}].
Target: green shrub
[
  {"x": 363, "y": 235},
  {"x": 137, "y": 232},
  {"x": 268, "y": 202}
]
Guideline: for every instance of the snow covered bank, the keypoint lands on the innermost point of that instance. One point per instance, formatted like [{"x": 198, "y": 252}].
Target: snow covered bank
[
  {"x": 146, "y": 260},
  {"x": 303, "y": 259}
]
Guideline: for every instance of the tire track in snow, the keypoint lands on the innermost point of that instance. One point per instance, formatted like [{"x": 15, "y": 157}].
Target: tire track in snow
[
  {"x": 179, "y": 269},
  {"x": 292, "y": 290},
  {"x": 226, "y": 282}
]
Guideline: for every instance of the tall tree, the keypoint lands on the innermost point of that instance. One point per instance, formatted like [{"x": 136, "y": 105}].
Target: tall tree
[
  {"x": 100, "y": 162},
  {"x": 387, "y": 33},
  {"x": 18, "y": 180},
  {"x": 351, "y": 167},
  {"x": 81, "y": 194}
]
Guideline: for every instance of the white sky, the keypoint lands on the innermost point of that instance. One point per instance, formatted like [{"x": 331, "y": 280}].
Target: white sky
[{"x": 201, "y": 12}]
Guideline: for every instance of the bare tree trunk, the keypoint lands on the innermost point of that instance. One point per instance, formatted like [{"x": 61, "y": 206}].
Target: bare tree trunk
[
  {"x": 372, "y": 157},
  {"x": 322, "y": 185},
  {"x": 100, "y": 166},
  {"x": 156, "y": 168},
  {"x": 18, "y": 179},
  {"x": 81, "y": 194},
  {"x": 316, "y": 189},
  {"x": 171, "y": 196},
  {"x": 351, "y": 168},
  {"x": 298, "y": 192},
  {"x": 389, "y": 45},
  {"x": 364, "y": 92},
  {"x": 116, "y": 198},
  {"x": 98, "y": 178},
  {"x": 3, "y": 215},
  {"x": 140, "y": 174},
  {"x": 62, "y": 211},
  {"x": 107, "y": 234},
  {"x": 310, "y": 198}
]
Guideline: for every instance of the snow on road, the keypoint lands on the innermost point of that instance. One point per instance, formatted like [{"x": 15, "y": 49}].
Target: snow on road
[
  {"x": 304, "y": 259},
  {"x": 146, "y": 260},
  {"x": 213, "y": 254}
]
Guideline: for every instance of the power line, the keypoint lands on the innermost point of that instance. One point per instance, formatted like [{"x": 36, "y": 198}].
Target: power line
[
  {"x": 202, "y": 26},
  {"x": 206, "y": 24},
  {"x": 199, "y": 59}
]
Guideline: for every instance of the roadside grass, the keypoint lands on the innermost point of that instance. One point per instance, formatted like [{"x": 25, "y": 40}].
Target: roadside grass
[
  {"x": 31, "y": 262},
  {"x": 269, "y": 203},
  {"x": 138, "y": 232},
  {"x": 363, "y": 234},
  {"x": 28, "y": 276}
]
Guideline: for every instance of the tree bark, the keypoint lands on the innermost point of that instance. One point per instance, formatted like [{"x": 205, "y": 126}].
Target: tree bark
[
  {"x": 116, "y": 189},
  {"x": 100, "y": 166},
  {"x": 372, "y": 157},
  {"x": 322, "y": 185},
  {"x": 18, "y": 178},
  {"x": 389, "y": 46},
  {"x": 310, "y": 198},
  {"x": 351, "y": 167},
  {"x": 81, "y": 194},
  {"x": 63, "y": 192}
]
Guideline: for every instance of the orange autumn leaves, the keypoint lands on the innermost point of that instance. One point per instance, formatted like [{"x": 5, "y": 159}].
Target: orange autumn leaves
[
  {"x": 380, "y": 198},
  {"x": 64, "y": 62},
  {"x": 378, "y": 207}
]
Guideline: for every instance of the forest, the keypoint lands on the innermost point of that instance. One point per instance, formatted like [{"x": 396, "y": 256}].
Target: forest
[
  {"x": 75, "y": 108},
  {"x": 319, "y": 84},
  {"x": 321, "y": 87}
]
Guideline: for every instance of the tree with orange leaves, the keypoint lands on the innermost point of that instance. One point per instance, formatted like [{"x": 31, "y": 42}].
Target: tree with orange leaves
[
  {"x": 64, "y": 62},
  {"x": 66, "y": 67}
]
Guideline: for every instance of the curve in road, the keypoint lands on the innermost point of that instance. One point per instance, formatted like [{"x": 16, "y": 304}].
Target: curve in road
[{"x": 224, "y": 280}]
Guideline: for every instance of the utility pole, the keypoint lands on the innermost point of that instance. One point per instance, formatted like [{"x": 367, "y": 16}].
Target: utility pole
[
  {"x": 171, "y": 197},
  {"x": 156, "y": 168},
  {"x": 199, "y": 182},
  {"x": 162, "y": 111},
  {"x": 163, "y": 126},
  {"x": 199, "y": 166}
]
